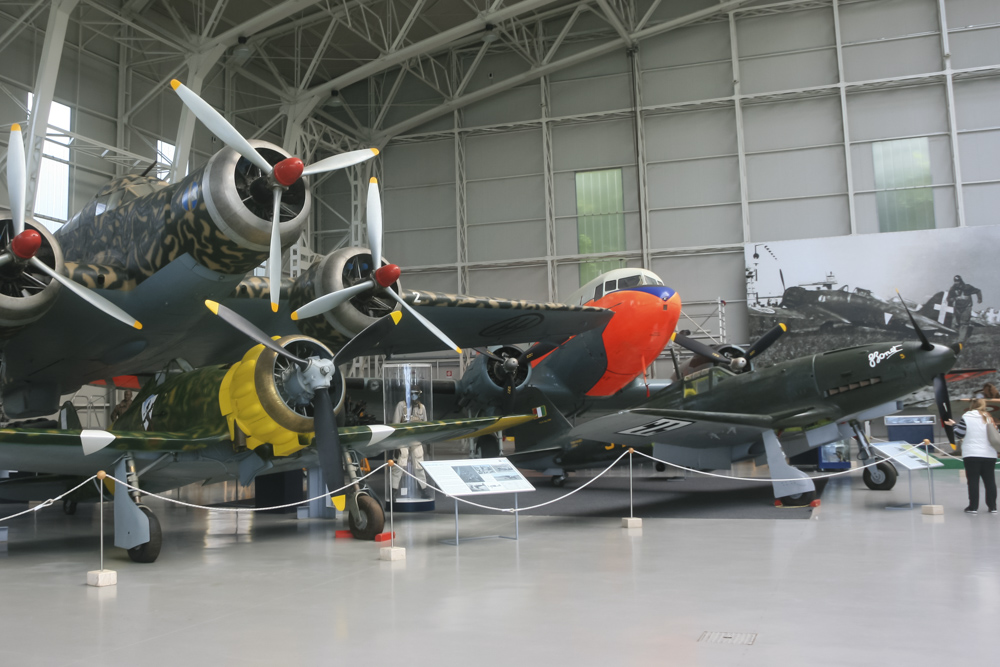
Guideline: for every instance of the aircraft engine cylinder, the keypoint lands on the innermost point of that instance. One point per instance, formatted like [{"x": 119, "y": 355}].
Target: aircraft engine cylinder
[
  {"x": 223, "y": 219},
  {"x": 25, "y": 292},
  {"x": 258, "y": 398},
  {"x": 341, "y": 268}
]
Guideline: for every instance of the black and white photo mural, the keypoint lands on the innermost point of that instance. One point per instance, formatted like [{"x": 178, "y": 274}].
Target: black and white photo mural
[{"x": 842, "y": 291}]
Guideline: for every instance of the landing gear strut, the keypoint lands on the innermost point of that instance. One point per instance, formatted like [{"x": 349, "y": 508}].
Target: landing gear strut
[
  {"x": 136, "y": 527},
  {"x": 880, "y": 477},
  {"x": 366, "y": 519}
]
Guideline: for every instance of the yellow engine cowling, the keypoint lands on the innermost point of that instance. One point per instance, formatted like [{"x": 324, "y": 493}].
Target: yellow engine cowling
[{"x": 252, "y": 399}]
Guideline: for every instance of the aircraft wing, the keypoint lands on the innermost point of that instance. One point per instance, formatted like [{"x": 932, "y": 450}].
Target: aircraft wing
[
  {"x": 378, "y": 438},
  {"x": 480, "y": 321},
  {"x": 683, "y": 428}
]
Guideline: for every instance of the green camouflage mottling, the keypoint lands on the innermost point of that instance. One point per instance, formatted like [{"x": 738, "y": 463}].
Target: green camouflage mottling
[
  {"x": 133, "y": 241},
  {"x": 258, "y": 287},
  {"x": 97, "y": 276},
  {"x": 421, "y": 298},
  {"x": 302, "y": 291},
  {"x": 188, "y": 402}
]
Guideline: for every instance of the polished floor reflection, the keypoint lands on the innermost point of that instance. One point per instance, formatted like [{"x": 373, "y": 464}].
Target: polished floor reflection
[{"x": 857, "y": 585}]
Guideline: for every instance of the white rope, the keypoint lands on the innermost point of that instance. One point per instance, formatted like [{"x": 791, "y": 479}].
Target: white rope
[
  {"x": 511, "y": 510},
  {"x": 335, "y": 492},
  {"x": 50, "y": 501}
]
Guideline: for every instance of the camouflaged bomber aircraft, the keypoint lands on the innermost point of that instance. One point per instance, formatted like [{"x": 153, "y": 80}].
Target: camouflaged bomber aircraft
[{"x": 144, "y": 250}]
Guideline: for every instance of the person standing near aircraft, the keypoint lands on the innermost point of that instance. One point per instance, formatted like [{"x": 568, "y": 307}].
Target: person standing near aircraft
[
  {"x": 978, "y": 454},
  {"x": 960, "y": 298}
]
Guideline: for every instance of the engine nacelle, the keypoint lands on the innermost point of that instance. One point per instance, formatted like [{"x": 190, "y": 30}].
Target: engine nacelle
[
  {"x": 341, "y": 268},
  {"x": 258, "y": 396},
  {"x": 219, "y": 214},
  {"x": 483, "y": 384},
  {"x": 26, "y": 293}
]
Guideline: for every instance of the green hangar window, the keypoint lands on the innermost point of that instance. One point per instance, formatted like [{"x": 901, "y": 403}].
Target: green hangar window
[
  {"x": 600, "y": 220},
  {"x": 903, "y": 196}
]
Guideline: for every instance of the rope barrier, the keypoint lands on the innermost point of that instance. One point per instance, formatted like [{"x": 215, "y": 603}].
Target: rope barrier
[{"x": 335, "y": 492}]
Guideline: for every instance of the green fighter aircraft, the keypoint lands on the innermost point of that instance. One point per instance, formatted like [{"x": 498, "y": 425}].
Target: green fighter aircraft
[
  {"x": 143, "y": 250},
  {"x": 729, "y": 412}
]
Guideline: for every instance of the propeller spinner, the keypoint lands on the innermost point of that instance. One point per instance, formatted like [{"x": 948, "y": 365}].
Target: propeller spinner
[{"x": 278, "y": 177}]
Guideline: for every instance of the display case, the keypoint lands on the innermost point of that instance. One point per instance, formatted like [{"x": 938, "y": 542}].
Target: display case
[{"x": 408, "y": 397}]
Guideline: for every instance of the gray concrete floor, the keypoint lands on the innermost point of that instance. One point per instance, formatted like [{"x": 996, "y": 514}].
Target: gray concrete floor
[{"x": 855, "y": 585}]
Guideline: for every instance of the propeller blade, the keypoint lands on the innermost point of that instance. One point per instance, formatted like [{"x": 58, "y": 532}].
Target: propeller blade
[
  {"x": 274, "y": 258},
  {"x": 340, "y": 161},
  {"x": 374, "y": 219},
  {"x": 367, "y": 339},
  {"x": 926, "y": 344},
  {"x": 331, "y": 454},
  {"x": 16, "y": 178},
  {"x": 782, "y": 276},
  {"x": 427, "y": 323},
  {"x": 332, "y": 300},
  {"x": 699, "y": 348},
  {"x": 509, "y": 397},
  {"x": 219, "y": 126},
  {"x": 249, "y": 330},
  {"x": 943, "y": 405},
  {"x": 90, "y": 297},
  {"x": 766, "y": 341},
  {"x": 486, "y": 353}
]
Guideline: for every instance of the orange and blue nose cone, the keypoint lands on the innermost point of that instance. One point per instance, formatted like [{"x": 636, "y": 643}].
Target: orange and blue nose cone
[{"x": 645, "y": 319}]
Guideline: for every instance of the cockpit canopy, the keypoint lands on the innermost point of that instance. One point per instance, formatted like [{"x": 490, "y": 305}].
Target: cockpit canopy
[
  {"x": 612, "y": 281},
  {"x": 121, "y": 191}
]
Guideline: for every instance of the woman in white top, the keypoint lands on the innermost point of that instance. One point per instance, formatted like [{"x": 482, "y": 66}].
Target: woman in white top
[{"x": 978, "y": 454}]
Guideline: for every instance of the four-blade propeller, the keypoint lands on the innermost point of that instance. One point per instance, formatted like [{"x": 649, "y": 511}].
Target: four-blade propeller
[
  {"x": 26, "y": 242},
  {"x": 279, "y": 177},
  {"x": 379, "y": 280}
]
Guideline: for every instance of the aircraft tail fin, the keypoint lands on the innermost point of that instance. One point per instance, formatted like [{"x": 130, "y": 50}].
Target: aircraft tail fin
[
  {"x": 69, "y": 420},
  {"x": 532, "y": 433},
  {"x": 935, "y": 307}
]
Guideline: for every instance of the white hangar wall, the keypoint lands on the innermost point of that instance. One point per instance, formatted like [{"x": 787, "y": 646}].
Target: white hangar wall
[{"x": 754, "y": 128}]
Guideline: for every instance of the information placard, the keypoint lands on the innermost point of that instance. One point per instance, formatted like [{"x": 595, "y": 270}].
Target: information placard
[
  {"x": 907, "y": 455},
  {"x": 477, "y": 477}
]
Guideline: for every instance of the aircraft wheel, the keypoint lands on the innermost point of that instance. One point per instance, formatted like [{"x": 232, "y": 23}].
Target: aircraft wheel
[
  {"x": 881, "y": 477},
  {"x": 798, "y": 500},
  {"x": 372, "y": 519},
  {"x": 488, "y": 446},
  {"x": 660, "y": 467},
  {"x": 559, "y": 480},
  {"x": 148, "y": 552},
  {"x": 69, "y": 507}
]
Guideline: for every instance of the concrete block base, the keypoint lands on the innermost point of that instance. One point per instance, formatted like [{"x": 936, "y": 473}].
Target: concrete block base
[
  {"x": 3, "y": 533},
  {"x": 302, "y": 512},
  {"x": 102, "y": 578},
  {"x": 631, "y": 522},
  {"x": 932, "y": 509},
  {"x": 392, "y": 553}
]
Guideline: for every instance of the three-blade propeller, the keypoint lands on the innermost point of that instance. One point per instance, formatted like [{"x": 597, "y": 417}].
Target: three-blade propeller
[
  {"x": 737, "y": 364},
  {"x": 26, "y": 242},
  {"x": 280, "y": 176},
  {"x": 510, "y": 364},
  {"x": 941, "y": 399},
  {"x": 379, "y": 280}
]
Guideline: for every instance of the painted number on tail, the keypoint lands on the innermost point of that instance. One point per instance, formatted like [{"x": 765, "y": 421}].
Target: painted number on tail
[{"x": 654, "y": 427}]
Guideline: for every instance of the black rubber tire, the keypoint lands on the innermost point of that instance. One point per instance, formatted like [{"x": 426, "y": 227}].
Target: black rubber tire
[
  {"x": 883, "y": 479},
  {"x": 801, "y": 500},
  {"x": 374, "y": 519},
  {"x": 660, "y": 467},
  {"x": 148, "y": 552},
  {"x": 488, "y": 446},
  {"x": 559, "y": 481},
  {"x": 69, "y": 507}
]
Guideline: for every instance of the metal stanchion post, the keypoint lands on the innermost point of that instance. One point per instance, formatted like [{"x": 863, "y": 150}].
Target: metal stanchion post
[
  {"x": 102, "y": 577},
  {"x": 517, "y": 517},
  {"x": 630, "y": 521}
]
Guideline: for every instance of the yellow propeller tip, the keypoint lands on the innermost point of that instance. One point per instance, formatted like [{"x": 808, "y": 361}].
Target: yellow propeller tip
[
  {"x": 137, "y": 324},
  {"x": 373, "y": 180},
  {"x": 15, "y": 127},
  {"x": 295, "y": 316},
  {"x": 673, "y": 335},
  {"x": 459, "y": 350},
  {"x": 396, "y": 316},
  {"x": 375, "y": 151},
  {"x": 274, "y": 307},
  {"x": 212, "y": 306},
  {"x": 174, "y": 83},
  {"x": 783, "y": 327}
]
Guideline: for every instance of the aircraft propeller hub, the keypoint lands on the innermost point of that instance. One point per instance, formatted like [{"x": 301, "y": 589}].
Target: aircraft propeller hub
[
  {"x": 510, "y": 365},
  {"x": 737, "y": 364},
  {"x": 288, "y": 171},
  {"x": 387, "y": 275},
  {"x": 300, "y": 384},
  {"x": 26, "y": 244}
]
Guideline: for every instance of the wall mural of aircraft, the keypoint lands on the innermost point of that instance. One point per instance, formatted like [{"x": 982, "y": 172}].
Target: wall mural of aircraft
[{"x": 144, "y": 251}]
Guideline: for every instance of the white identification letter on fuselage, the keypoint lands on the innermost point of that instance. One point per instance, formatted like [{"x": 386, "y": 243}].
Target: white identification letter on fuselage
[{"x": 658, "y": 426}]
